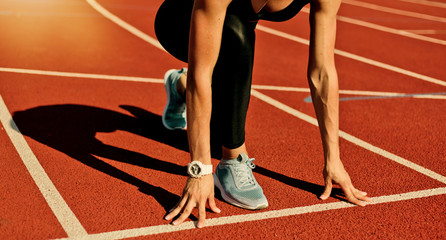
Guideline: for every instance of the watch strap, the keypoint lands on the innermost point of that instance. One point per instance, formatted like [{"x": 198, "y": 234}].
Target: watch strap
[{"x": 207, "y": 169}]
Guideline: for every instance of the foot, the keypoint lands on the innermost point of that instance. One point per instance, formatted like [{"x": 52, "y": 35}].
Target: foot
[
  {"x": 174, "y": 115},
  {"x": 237, "y": 184}
]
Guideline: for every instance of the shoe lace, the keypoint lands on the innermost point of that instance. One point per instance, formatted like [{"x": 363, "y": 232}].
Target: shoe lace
[{"x": 244, "y": 173}]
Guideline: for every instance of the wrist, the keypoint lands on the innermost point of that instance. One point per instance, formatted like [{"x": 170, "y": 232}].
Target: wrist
[{"x": 331, "y": 153}]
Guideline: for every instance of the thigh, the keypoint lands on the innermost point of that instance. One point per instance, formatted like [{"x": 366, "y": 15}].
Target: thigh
[{"x": 172, "y": 25}]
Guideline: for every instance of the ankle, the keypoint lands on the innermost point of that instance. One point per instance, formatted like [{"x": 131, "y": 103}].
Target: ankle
[{"x": 228, "y": 154}]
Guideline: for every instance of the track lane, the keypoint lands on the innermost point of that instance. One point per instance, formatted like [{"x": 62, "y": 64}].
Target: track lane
[
  {"x": 23, "y": 207},
  {"x": 88, "y": 191},
  {"x": 136, "y": 94},
  {"x": 378, "y": 46},
  {"x": 90, "y": 43},
  {"x": 428, "y": 8}
]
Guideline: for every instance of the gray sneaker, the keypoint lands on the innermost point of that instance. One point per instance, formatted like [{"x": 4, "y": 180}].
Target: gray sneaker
[
  {"x": 237, "y": 184},
  {"x": 174, "y": 115}
]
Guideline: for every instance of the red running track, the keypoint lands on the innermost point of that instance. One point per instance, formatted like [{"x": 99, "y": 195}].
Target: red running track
[{"x": 93, "y": 161}]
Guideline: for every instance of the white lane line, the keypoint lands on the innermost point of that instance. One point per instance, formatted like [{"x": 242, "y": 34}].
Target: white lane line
[
  {"x": 81, "y": 75},
  {"x": 440, "y": 97},
  {"x": 356, "y": 57},
  {"x": 427, "y": 3},
  {"x": 157, "y": 80},
  {"x": 395, "y": 11},
  {"x": 167, "y": 228},
  {"x": 404, "y": 33},
  {"x": 61, "y": 210},
  {"x": 351, "y": 138},
  {"x": 124, "y": 24},
  {"x": 427, "y": 31},
  {"x": 371, "y": 93},
  {"x": 391, "y": 68},
  {"x": 155, "y": 42},
  {"x": 352, "y": 92},
  {"x": 281, "y": 88}
]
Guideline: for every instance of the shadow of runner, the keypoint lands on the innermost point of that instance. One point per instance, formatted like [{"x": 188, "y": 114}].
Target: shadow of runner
[
  {"x": 161, "y": 134},
  {"x": 313, "y": 188},
  {"x": 71, "y": 129}
]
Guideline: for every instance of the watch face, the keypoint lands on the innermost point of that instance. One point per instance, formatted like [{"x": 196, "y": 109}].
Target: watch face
[{"x": 195, "y": 169}]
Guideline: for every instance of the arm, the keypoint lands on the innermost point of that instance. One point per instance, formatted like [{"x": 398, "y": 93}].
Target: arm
[
  {"x": 204, "y": 45},
  {"x": 323, "y": 81}
]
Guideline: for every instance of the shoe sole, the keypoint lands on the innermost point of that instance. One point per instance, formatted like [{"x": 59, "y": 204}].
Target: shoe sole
[
  {"x": 233, "y": 201},
  {"x": 167, "y": 87}
]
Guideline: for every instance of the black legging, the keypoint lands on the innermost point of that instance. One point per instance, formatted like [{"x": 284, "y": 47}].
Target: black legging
[{"x": 232, "y": 76}]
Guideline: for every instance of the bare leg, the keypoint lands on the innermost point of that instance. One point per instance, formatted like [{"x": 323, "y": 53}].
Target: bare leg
[{"x": 232, "y": 153}]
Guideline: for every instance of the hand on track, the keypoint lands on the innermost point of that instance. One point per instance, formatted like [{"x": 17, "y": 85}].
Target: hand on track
[
  {"x": 196, "y": 193},
  {"x": 334, "y": 173}
]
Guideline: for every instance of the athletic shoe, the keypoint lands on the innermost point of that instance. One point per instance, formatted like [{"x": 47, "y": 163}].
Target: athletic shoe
[
  {"x": 174, "y": 115},
  {"x": 237, "y": 184}
]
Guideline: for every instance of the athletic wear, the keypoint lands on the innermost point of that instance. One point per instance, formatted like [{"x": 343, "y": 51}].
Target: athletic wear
[
  {"x": 237, "y": 184},
  {"x": 283, "y": 15},
  {"x": 174, "y": 115},
  {"x": 231, "y": 81}
]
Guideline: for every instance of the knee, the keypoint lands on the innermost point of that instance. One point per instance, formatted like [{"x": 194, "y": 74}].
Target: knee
[{"x": 238, "y": 35}]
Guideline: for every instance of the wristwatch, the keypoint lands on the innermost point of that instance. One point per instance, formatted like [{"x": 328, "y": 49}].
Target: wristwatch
[{"x": 197, "y": 169}]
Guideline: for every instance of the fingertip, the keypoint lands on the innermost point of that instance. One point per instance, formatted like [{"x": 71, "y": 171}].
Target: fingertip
[
  {"x": 171, "y": 214},
  {"x": 216, "y": 210},
  {"x": 213, "y": 206},
  {"x": 358, "y": 202},
  {"x": 327, "y": 191},
  {"x": 200, "y": 225},
  {"x": 323, "y": 196},
  {"x": 365, "y": 198}
]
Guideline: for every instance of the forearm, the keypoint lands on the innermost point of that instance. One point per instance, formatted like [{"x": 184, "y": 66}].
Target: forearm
[
  {"x": 323, "y": 81},
  {"x": 324, "y": 92},
  {"x": 204, "y": 46},
  {"x": 199, "y": 108},
  {"x": 322, "y": 76}
]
